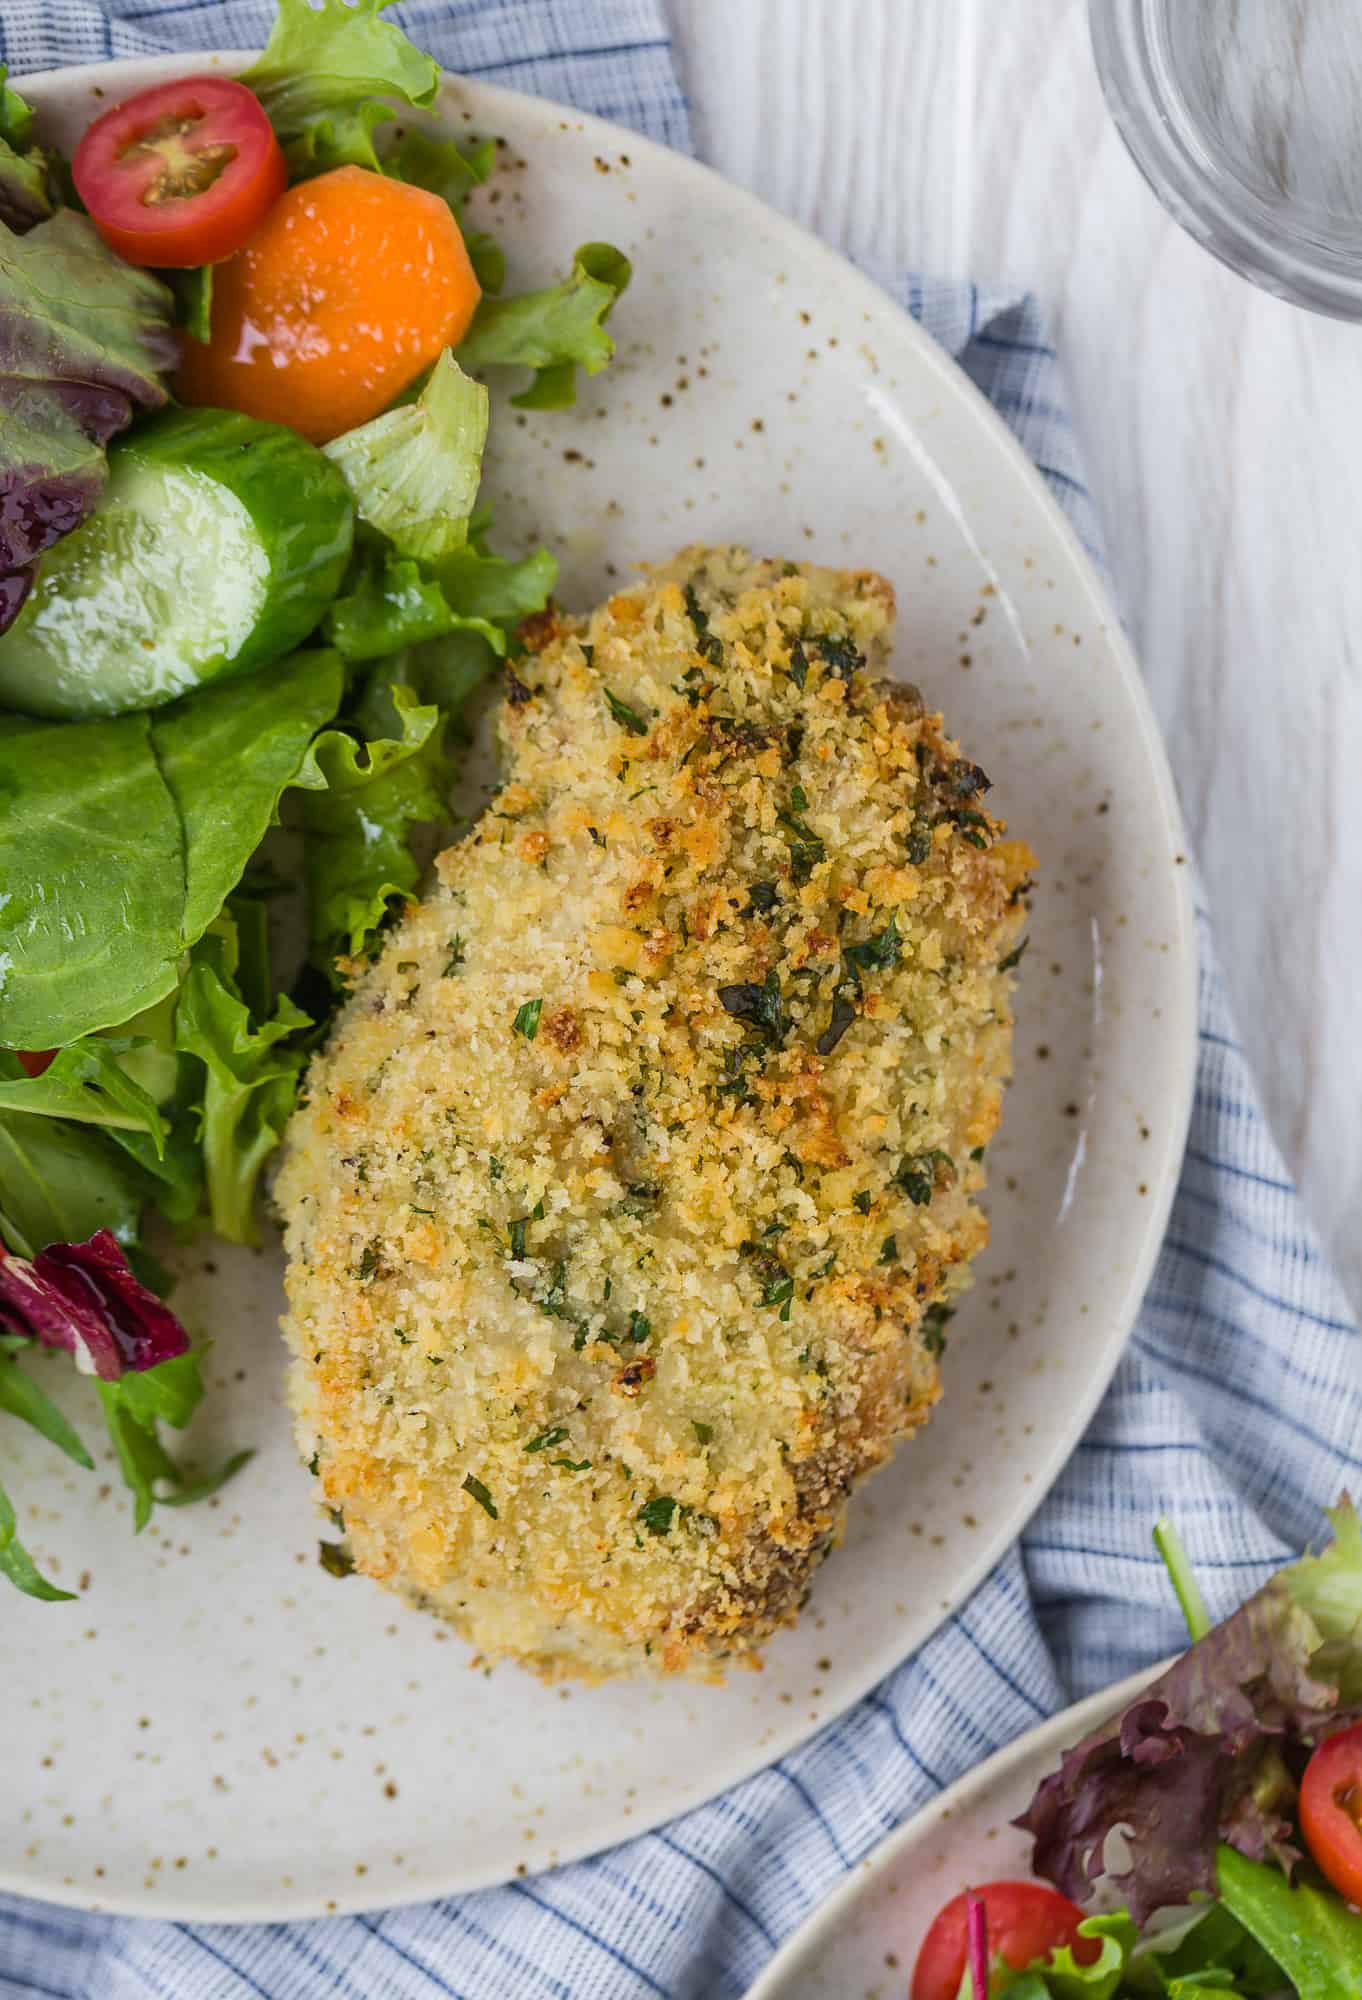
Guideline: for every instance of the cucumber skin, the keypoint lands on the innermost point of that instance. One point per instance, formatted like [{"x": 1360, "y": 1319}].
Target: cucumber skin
[{"x": 296, "y": 497}]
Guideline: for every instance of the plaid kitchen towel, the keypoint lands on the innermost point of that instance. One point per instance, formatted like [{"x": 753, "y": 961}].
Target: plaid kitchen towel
[{"x": 1239, "y": 1400}]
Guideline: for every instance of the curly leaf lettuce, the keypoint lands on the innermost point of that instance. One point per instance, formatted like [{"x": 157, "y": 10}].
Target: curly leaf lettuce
[
  {"x": 554, "y": 331},
  {"x": 386, "y": 605},
  {"x": 364, "y": 800},
  {"x": 1205, "y": 1754},
  {"x": 324, "y": 78},
  {"x": 25, "y": 197},
  {"x": 414, "y": 471},
  {"x": 439, "y": 166},
  {"x": 478, "y": 584},
  {"x": 250, "y": 1079}
]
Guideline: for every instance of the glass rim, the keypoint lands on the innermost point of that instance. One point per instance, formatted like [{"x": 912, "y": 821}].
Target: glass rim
[{"x": 1161, "y": 134}]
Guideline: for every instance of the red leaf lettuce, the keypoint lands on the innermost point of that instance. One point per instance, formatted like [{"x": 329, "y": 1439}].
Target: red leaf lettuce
[{"x": 1212, "y": 1750}]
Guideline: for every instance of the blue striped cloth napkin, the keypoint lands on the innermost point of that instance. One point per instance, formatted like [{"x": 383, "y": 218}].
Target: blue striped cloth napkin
[{"x": 1238, "y": 1405}]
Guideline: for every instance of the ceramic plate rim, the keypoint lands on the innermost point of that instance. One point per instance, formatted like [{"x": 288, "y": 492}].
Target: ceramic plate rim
[
  {"x": 823, "y": 1923},
  {"x": 817, "y": 258}
]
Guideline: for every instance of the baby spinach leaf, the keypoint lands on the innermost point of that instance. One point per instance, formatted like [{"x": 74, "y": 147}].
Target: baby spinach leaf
[
  {"x": 119, "y": 841},
  {"x": 86, "y": 1083},
  {"x": 60, "y": 1182},
  {"x": 88, "y": 834},
  {"x": 226, "y": 754},
  {"x": 1312, "y": 1935}
]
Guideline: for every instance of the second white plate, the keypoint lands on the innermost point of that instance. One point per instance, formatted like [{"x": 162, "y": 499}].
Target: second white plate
[{"x": 863, "y": 1942}]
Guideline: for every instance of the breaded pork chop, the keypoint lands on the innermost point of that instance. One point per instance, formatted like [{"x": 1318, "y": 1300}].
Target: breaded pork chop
[{"x": 626, "y": 1199}]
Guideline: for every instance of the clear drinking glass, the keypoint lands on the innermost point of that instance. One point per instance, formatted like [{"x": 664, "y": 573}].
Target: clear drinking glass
[{"x": 1245, "y": 117}]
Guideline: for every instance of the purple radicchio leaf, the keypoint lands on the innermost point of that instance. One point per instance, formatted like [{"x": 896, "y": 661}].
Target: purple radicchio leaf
[
  {"x": 1210, "y": 1751},
  {"x": 85, "y": 342},
  {"x": 85, "y": 1298}
]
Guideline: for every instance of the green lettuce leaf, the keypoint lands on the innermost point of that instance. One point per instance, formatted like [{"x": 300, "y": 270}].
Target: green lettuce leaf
[
  {"x": 88, "y": 832},
  {"x": 1211, "y": 1952},
  {"x": 414, "y": 471},
  {"x": 1059, "y": 1976},
  {"x": 389, "y": 604},
  {"x": 156, "y": 815},
  {"x": 17, "y": 1565},
  {"x": 25, "y": 196},
  {"x": 226, "y": 754},
  {"x": 479, "y": 585},
  {"x": 554, "y": 331},
  {"x": 1311, "y": 1934},
  {"x": 87, "y": 341},
  {"x": 439, "y": 166},
  {"x": 358, "y": 820},
  {"x": 325, "y": 76},
  {"x": 60, "y": 1182},
  {"x": 86, "y": 1083},
  {"x": 194, "y": 301},
  {"x": 16, "y": 114},
  {"x": 1328, "y": 1589},
  {"x": 250, "y": 1080},
  {"x": 21, "y": 1397},
  {"x": 134, "y": 1406},
  {"x": 444, "y": 672}
]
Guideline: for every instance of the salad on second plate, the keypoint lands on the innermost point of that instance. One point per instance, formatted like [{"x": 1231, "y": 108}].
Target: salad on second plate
[
  {"x": 1233, "y": 1788},
  {"x": 244, "y": 580}
]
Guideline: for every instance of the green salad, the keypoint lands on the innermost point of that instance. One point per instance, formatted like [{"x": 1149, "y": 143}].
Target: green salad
[
  {"x": 1230, "y": 1792},
  {"x": 246, "y": 587}
]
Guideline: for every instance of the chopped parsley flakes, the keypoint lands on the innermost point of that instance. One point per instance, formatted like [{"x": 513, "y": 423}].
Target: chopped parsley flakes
[
  {"x": 481, "y": 1495},
  {"x": 547, "y": 1439},
  {"x": 657, "y": 1515},
  {"x": 526, "y": 1022},
  {"x": 763, "y": 1006},
  {"x": 627, "y": 718}
]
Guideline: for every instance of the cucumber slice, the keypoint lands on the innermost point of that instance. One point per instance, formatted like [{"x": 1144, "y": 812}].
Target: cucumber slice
[{"x": 218, "y": 545}]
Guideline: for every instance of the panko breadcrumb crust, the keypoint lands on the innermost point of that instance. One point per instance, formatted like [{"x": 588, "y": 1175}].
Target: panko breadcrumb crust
[{"x": 625, "y": 1203}]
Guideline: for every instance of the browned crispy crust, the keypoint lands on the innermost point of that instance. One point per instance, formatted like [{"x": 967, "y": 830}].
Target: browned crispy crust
[{"x": 595, "y": 1329}]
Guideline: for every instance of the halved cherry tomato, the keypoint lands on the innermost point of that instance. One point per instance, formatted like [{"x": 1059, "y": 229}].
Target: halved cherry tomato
[
  {"x": 351, "y": 287},
  {"x": 34, "y": 1061},
  {"x": 1025, "y": 1921},
  {"x": 182, "y": 174},
  {"x": 1331, "y": 1810}
]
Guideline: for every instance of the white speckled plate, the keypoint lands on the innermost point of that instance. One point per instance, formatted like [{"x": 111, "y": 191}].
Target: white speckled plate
[
  {"x": 218, "y": 1729},
  {"x": 862, "y": 1943}
]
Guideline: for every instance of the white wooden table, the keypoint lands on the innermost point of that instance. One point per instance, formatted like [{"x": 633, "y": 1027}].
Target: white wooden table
[{"x": 1222, "y": 433}]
